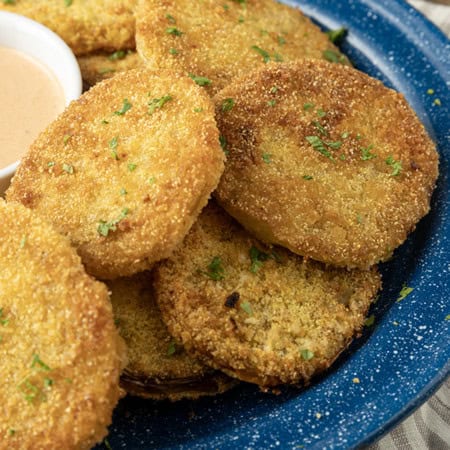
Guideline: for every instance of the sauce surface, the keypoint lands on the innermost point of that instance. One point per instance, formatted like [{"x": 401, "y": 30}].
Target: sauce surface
[{"x": 31, "y": 97}]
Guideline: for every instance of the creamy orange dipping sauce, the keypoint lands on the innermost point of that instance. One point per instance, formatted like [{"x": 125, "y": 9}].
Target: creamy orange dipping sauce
[{"x": 30, "y": 98}]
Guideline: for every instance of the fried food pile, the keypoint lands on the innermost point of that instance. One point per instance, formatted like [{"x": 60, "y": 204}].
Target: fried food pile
[{"x": 219, "y": 197}]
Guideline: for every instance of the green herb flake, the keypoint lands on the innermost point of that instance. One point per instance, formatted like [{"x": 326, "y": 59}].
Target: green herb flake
[
  {"x": 9, "y": 2},
  {"x": 277, "y": 57},
  {"x": 257, "y": 257},
  {"x": 359, "y": 219},
  {"x": 104, "y": 122},
  {"x": 318, "y": 145},
  {"x": 68, "y": 168},
  {"x": 224, "y": 144},
  {"x": 125, "y": 107},
  {"x": 37, "y": 363},
  {"x": 48, "y": 382},
  {"x": 67, "y": 138},
  {"x": 113, "y": 143},
  {"x": 345, "y": 135},
  {"x": 158, "y": 103},
  {"x": 366, "y": 155},
  {"x": 28, "y": 390},
  {"x": 201, "y": 81},
  {"x": 170, "y": 19},
  {"x": 173, "y": 31},
  {"x": 106, "y": 70},
  {"x": 173, "y": 51},
  {"x": 241, "y": 19},
  {"x": 308, "y": 106},
  {"x": 131, "y": 167},
  {"x": 215, "y": 269},
  {"x": 151, "y": 180},
  {"x": 11, "y": 432},
  {"x": 342, "y": 157},
  {"x": 307, "y": 354},
  {"x": 404, "y": 292},
  {"x": 246, "y": 307},
  {"x": 123, "y": 191},
  {"x": 68, "y": 2},
  {"x": 369, "y": 321},
  {"x": 447, "y": 317},
  {"x": 333, "y": 56},
  {"x": 3, "y": 322},
  {"x": 267, "y": 158},
  {"x": 321, "y": 113},
  {"x": 307, "y": 177},
  {"x": 107, "y": 444},
  {"x": 171, "y": 348},
  {"x": 104, "y": 227},
  {"x": 281, "y": 40},
  {"x": 228, "y": 104},
  {"x": 51, "y": 164},
  {"x": 226, "y": 7},
  {"x": 337, "y": 35},
  {"x": 396, "y": 166},
  {"x": 263, "y": 53},
  {"x": 320, "y": 128},
  {"x": 274, "y": 89},
  {"x": 117, "y": 55},
  {"x": 198, "y": 110}
]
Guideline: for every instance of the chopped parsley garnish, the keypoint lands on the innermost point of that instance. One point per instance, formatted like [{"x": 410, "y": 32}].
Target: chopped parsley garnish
[
  {"x": 319, "y": 146},
  {"x": 307, "y": 354},
  {"x": 174, "y": 31},
  {"x": 3, "y": 322},
  {"x": 307, "y": 177},
  {"x": 198, "y": 110},
  {"x": 321, "y": 113},
  {"x": 232, "y": 300},
  {"x": 267, "y": 158},
  {"x": 113, "y": 143},
  {"x": 228, "y": 104},
  {"x": 272, "y": 102},
  {"x": 396, "y": 165},
  {"x": 66, "y": 138},
  {"x": 333, "y": 56},
  {"x": 37, "y": 363},
  {"x": 405, "y": 291},
  {"x": 171, "y": 348},
  {"x": 23, "y": 241},
  {"x": 173, "y": 51},
  {"x": 151, "y": 180},
  {"x": 257, "y": 257},
  {"x": 224, "y": 144},
  {"x": 123, "y": 191},
  {"x": 337, "y": 35},
  {"x": 107, "y": 444},
  {"x": 246, "y": 307},
  {"x": 308, "y": 106},
  {"x": 273, "y": 89},
  {"x": 201, "y": 81},
  {"x": 263, "y": 53},
  {"x": 365, "y": 153},
  {"x": 126, "y": 107},
  {"x": 320, "y": 128},
  {"x": 215, "y": 269},
  {"x": 48, "y": 382},
  {"x": 119, "y": 54},
  {"x": 158, "y": 103},
  {"x": 68, "y": 2},
  {"x": 68, "y": 168},
  {"x": 11, "y": 432},
  {"x": 369, "y": 321},
  {"x": 106, "y": 70},
  {"x": 281, "y": 40},
  {"x": 29, "y": 390},
  {"x": 277, "y": 57},
  {"x": 131, "y": 167},
  {"x": 51, "y": 164},
  {"x": 104, "y": 227},
  {"x": 170, "y": 18},
  {"x": 9, "y": 2},
  {"x": 345, "y": 135}
]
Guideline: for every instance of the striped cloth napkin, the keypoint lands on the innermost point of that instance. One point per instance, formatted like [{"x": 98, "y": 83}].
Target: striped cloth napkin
[{"x": 429, "y": 427}]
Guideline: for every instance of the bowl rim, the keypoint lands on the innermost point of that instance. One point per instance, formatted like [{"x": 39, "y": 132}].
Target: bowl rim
[{"x": 71, "y": 65}]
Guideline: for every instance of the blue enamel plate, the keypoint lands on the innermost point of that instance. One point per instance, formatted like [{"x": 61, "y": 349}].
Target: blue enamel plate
[{"x": 400, "y": 360}]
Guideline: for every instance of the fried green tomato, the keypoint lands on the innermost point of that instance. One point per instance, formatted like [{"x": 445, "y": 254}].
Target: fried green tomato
[
  {"x": 96, "y": 67},
  {"x": 125, "y": 170},
  {"x": 85, "y": 25},
  {"x": 158, "y": 367},
  {"x": 60, "y": 351},
  {"x": 263, "y": 315},
  {"x": 324, "y": 160},
  {"x": 216, "y": 41}
]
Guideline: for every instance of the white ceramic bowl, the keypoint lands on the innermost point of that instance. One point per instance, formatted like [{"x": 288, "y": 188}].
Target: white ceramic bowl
[{"x": 37, "y": 41}]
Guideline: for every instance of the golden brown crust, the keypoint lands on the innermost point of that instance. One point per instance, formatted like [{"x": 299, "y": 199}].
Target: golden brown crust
[
  {"x": 158, "y": 367},
  {"x": 223, "y": 40},
  {"x": 271, "y": 319},
  {"x": 352, "y": 200},
  {"x": 61, "y": 354},
  {"x": 125, "y": 187},
  {"x": 85, "y": 25},
  {"x": 96, "y": 67}
]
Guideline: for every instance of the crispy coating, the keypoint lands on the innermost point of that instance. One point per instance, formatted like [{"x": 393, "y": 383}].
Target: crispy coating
[
  {"x": 125, "y": 170},
  {"x": 85, "y": 25},
  {"x": 325, "y": 161},
  {"x": 60, "y": 351},
  {"x": 96, "y": 67},
  {"x": 221, "y": 40},
  {"x": 158, "y": 367},
  {"x": 262, "y": 315}
]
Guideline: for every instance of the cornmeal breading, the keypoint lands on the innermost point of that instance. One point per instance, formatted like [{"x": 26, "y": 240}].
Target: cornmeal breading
[
  {"x": 96, "y": 67},
  {"x": 85, "y": 25},
  {"x": 60, "y": 351},
  {"x": 221, "y": 40},
  {"x": 263, "y": 315},
  {"x": 324, "y": 160},
  {"x": 158, "y": 367},
  {"x": 125, "y": 170}
]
